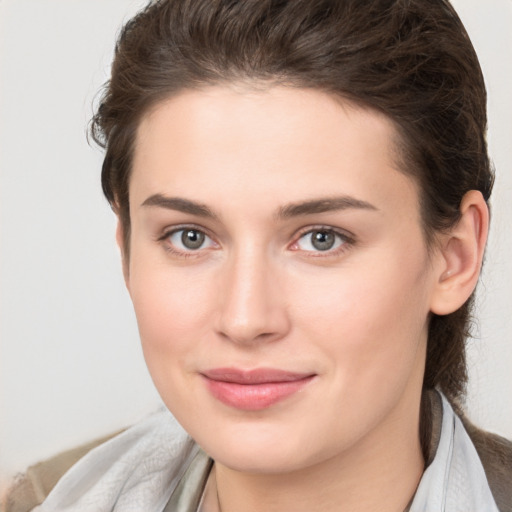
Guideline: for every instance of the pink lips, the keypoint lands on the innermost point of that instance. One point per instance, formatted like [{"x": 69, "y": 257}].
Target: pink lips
[{"x": 254, "y": 389}]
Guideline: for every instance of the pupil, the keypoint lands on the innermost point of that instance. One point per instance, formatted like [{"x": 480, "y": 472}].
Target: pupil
[
  {"x": 192, "y": 239},
  {"x": 323, "y": 240}
]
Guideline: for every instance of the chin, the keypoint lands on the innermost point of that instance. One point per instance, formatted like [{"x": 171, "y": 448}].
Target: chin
[
  {"x": 261, "y": 461},
  {"x": 261, "y": 449}
]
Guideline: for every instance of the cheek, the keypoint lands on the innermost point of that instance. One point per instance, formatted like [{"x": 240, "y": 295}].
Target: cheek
[
  {"x": 173, "y": 313},
  {"x": 356, "y": 302},
  {"x": 370, "y": 316},
  {"x": 173, "y": 308}
]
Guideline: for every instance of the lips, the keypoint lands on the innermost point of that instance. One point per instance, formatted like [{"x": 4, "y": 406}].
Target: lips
[{"x": 254, "y": 390}]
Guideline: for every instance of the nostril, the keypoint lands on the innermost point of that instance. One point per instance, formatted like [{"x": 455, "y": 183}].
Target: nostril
[{"x": 251, "y": 332}]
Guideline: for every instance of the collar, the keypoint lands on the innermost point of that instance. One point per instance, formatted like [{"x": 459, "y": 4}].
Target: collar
[{"x": 455, "y": 480}]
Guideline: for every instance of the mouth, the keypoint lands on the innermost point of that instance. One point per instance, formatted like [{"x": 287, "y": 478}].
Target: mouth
[{"x": 253, "y": 390}]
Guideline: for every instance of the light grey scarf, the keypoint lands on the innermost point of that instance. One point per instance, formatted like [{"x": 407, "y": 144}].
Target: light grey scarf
[{"x": 455, "y": 481}]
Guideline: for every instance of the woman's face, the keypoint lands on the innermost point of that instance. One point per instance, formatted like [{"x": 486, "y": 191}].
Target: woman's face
[{"x": 279, "y": 274}]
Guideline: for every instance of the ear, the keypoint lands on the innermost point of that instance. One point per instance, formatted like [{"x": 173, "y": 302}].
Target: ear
[
  {"x": 460, "y": 255},
  {"x": 120, "y": 239}
]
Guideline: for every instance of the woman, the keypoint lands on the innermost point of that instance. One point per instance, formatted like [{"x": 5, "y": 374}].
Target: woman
[{"x": 302, "y": 191}]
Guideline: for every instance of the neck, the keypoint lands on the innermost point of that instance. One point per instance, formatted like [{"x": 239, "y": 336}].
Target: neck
[{"x": 380, "y": 473}]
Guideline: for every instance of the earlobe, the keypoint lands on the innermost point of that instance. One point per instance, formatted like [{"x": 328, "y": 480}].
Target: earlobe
[
  {"x": 461, "y": 255},
  {"x": 121, "y": 244}
]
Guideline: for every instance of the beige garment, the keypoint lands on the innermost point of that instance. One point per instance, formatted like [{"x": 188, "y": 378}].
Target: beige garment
[{"x": 31, "y": 488}]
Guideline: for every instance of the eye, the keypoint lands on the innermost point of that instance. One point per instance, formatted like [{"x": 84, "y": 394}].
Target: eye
[
  {"x": 320, "y": 240},
  {"x": 189, "y": 239}
]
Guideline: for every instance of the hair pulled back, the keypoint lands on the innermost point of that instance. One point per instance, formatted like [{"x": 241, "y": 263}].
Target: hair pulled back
[{"x": 410, "y": 59}]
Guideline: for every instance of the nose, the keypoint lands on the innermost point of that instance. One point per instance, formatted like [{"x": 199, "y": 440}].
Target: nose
[{"x": 251, "y": 301}]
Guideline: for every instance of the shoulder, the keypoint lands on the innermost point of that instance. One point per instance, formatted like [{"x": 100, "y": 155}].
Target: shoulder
[
  {"x": 140, "y": 463},
  {"x": 495, "y": 452},
  {"x": 32, "y": 487}
]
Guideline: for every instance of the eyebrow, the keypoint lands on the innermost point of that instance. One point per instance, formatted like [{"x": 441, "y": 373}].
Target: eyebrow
[
  {"x": 309, "y": 207},
  {"x": 323, "y": 205},
  {"x": 179, "y": 204}
]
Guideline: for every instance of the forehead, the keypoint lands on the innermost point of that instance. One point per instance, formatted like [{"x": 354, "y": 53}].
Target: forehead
[{"x": 280, "y": 143}]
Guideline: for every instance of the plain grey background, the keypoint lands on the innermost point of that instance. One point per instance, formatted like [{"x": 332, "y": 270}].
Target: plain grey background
[{"x": 70, "y": 364}]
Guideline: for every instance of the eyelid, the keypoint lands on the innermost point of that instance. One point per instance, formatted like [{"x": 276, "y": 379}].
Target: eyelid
[
  {"x": 347, "y": 237},
  {"x": 169, "y": 231},
  {"x": 348, "y": 240}
]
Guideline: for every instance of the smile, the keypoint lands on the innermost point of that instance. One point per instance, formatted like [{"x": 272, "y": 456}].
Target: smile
[{"x": 256, "y": 389}]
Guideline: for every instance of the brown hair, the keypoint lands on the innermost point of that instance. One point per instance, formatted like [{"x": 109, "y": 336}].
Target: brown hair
[{"x": 410, "y": 59}]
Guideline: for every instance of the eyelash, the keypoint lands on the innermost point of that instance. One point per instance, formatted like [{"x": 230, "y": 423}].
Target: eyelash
[
  {"x": 347, "y": 241},
  {"x": 164, "y": 239}
]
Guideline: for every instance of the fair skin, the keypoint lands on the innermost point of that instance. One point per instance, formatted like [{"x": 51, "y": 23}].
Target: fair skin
[{"x": 305, "y": 254}]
